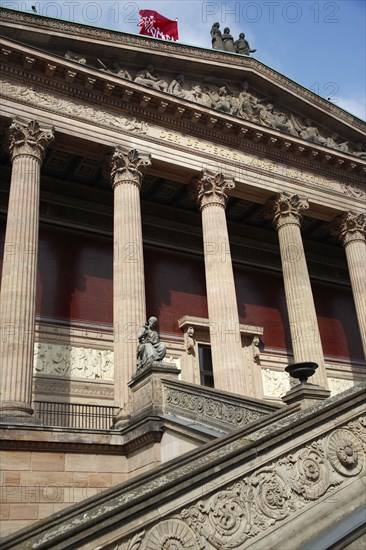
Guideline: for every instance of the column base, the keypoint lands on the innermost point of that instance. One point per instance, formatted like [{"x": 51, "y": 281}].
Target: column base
[
  {"x": 13, "y": 412},
  {"x": 306, "y": 394}
]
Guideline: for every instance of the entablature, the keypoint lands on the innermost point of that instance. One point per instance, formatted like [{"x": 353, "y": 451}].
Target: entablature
[{"x": 94, "y": 86}]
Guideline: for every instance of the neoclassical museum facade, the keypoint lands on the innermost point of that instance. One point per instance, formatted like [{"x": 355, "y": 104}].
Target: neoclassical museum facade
[{"x": 142, "y": 178}]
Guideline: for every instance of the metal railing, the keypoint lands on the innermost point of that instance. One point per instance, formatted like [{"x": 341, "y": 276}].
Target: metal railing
[{"x": 75, "y": 415}]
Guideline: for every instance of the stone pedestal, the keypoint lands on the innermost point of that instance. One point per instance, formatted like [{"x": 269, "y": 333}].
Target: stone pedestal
[
  {"x": 305, "y": 394},
  {"x": 28, "y": 142},
  {"x": 129, "y": 308},
  {"x": 147, "y": 390},
  {"x": 285, "y": 211},
  {"x": 351, "y": 228},
  {"x": 227, "y": 353}
]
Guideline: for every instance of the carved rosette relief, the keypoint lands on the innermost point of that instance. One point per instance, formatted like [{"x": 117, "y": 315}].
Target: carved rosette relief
[
  {"x": 285, "y": 209},
  {"x": 345, "y": 453},
  {"x": 172, "y": 534},
  {"x": 244, "y": 510},
  {"x": 349, "y": 227},
  {"x": 127, "y": 166},
  {"x": 212, "y": 189},
  {"x": 28, "y": 138}
]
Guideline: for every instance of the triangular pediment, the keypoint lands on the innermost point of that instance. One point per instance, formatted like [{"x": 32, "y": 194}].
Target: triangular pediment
[{"x": 229, "y": 93}]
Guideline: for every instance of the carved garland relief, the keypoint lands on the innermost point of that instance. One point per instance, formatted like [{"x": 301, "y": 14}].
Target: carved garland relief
[{"x": 247, "y": 508}]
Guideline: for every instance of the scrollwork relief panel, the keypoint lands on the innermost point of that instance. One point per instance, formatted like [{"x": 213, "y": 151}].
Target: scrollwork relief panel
[
  {"x": 238, "y": 514},
  {"x": 202, "y": 406}
]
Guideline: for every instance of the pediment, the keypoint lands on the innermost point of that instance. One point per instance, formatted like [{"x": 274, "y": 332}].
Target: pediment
[{"x": 230, "y": 93}]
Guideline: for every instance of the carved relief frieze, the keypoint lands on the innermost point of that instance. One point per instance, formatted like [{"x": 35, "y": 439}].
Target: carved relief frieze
[
  {"x": 241, "y": 103},
  {"x": 208, "y": 407},
  {"x": 74, "y": 108},
  {"x": 75, "y": 362},
  {"x": 338, "y": 385},
  {"x": 275, "y": 383},
  {"x": 237, "y": 515}
]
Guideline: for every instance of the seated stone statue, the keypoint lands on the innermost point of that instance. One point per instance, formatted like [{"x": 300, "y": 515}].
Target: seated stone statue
[
  {"x": 150, "y": 348},
  {"x": 242, "y": 45}
]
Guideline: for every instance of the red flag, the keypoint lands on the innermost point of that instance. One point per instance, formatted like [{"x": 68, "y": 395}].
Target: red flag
[{"x": 158, "y": 26}]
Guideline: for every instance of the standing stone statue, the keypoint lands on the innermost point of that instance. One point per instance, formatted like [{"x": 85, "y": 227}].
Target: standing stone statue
[
  {"x": 228, "y": 41},
  {"x": 150, "y": 348},
  {"x": 216, "y": 37}
]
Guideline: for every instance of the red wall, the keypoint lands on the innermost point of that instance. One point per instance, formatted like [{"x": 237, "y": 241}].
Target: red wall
[
  {"x": 75, "y": 282},
  {"x": 261, "y": 301},
  {"x": 75, "y": 276}
]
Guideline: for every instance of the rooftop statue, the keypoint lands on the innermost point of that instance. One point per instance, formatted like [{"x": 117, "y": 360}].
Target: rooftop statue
[
  {"x": 242, "y": 45},
  {"x": 225, "y": 41},
  {"x": 216, "y": 37},
  {"x": 228, "y": 41}
]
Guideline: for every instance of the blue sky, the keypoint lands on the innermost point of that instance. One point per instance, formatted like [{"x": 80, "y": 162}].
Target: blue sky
[{"x": 320, "y": 44}]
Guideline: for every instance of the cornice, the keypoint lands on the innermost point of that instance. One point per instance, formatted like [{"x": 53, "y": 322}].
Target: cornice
[
  {"x": 198, "y": 54},
  {"x": 261, "y": 141},
  {"x": 102, "y": 88}
]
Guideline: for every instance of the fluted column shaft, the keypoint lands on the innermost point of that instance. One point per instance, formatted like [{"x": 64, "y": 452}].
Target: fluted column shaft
[
  {"x": 351, "y": 228},
  {"x": 129, "y": 305},
  {"x": 226, "y": 348},
  {"x": 285, "y": 210},
  {"x": 19, "y": 275}
]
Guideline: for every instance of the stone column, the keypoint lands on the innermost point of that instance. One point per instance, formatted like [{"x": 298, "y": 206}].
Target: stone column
[
  {"x": 28, "y": 142},
  {"x": 285, "y": 210},
  {"x": 129, "y": 307},
  {"x": 351, "y": 228},
  {"x": 227, "y": 352}
]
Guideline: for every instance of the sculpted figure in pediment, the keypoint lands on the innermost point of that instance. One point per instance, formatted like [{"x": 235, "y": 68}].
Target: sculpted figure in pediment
[
  {"x": 276, "y": 119},
  {"x": 221, "y": 100},
  {"x": 78, "y": 58},
  {"x": 115, "y": 69},
  {"x": 332, "y": 143},
  {"x": 358, "y": 152},
  {"x": 199, "y": 96},
  {"x": 308, "y": 131},
  {"x": 148, "y": 77},
  {"x": 176, "y": 86}
]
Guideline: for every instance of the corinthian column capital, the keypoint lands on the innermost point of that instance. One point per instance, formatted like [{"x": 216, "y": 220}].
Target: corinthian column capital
[
  {"x": 126, "y": 166},
  {"x": 28, "y": 138},
  {"x": 212, "y": 189},
  {"x": 286, "y": 209},
  {"x": 349, "y": 227}
]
